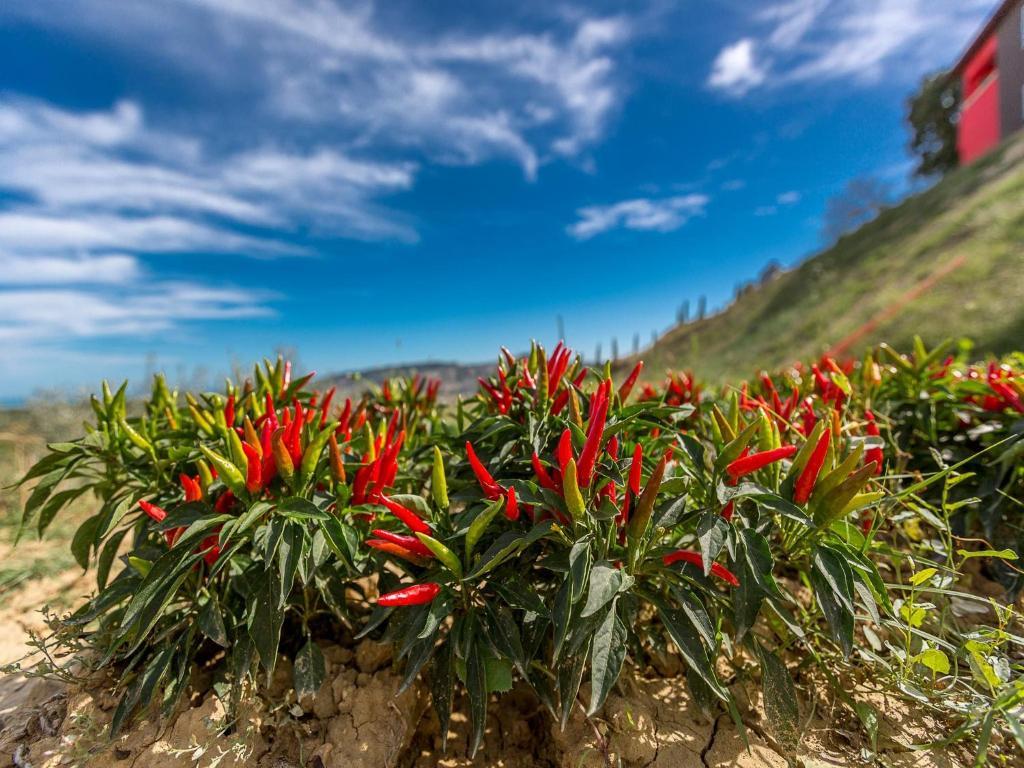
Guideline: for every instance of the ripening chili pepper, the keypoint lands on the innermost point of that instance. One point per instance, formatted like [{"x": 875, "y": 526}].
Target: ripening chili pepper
[
  {"x": 563, "y": 397},
  {"x": 755, "y": 461},
  {"x": 809, "y": 475},
  {"x": 229, "y": 411},
  {"x": 397, "y": 550},
  {"x": 412, "y": 521},
  {"x": 627, "y": 385},
  {"x": 336, "y": 464},
  {"x": 410, "y": 542},
  {"x": 695, "y": 558},
  {"x": 571, "y": 492},
  {"x": 417, "y": 594},
  {"x": 511, "y": 505},
  {"x": 491, "y": 489},
  {"x": 282, "y": 458},
  {"x": 645, "y": 504}
]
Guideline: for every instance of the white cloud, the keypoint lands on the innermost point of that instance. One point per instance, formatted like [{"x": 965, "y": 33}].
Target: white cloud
[
  {"x": 658, "y": 215},
  {"x": 735, "y": 69},
  {"x": 789, "y": 198},
  {"x": 733, "y": 185},
  {"x": 457, "y": 95},
  {"x": 857, "y": 40},
  {"x": 54, "y": 270},
  {"x": 50, "y": 313},
  {"x": 766, "y": 210}
]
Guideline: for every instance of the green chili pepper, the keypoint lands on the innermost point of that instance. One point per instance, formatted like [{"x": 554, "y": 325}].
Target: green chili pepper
[
  {"x": 447, "y": 558},
  {"x": 438, "y": 483}
]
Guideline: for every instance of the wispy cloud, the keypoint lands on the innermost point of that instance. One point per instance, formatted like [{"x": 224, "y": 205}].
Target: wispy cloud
[
  {"x": 858, "y": 40},
  {"x": 457, "y": 96},
  {"x": 649, "y": 214},
  {"x": 789, "y": 198},
  {"x": 41, "y": 314}
]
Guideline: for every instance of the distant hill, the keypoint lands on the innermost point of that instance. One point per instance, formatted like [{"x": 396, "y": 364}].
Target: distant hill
[
  {"x": 948, "y": 262},
  {"x": 456, "y": 378}
]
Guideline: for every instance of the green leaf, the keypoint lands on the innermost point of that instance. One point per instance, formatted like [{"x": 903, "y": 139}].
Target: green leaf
[
  {"x": 606, "y": 581},
  {"x": 301, "y": 509},
  {"x": 506, "y": 545},
  {"x": 442, "y": 683},
  {"x": 606, "y": 656},
  {"x": 265, "y": 619},
  {"x": 935, "y": 660},
  {"x": 54, "y": 505},
  {"x": 342, "y": 540},
  {"x": 81, "y": 544},
  {"x": 211, "y": 622},
  {"x": 687, "y": 640},
  {"x": 570, "y": 675},
  {"x": 476, "y": 688},
  {"x": 921, "y": 577},
  {"x": 309, "y": 670},
  {"x": 579, "y": 567},
  {"x": 780, "y": 702},
  {"x": 712, "y": 531}
]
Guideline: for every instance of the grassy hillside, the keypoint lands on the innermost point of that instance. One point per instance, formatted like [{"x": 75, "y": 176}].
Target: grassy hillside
[{"x": 947, "y": 262}]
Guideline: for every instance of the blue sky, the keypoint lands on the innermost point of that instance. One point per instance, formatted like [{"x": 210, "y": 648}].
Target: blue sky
[{"x": 189, "y": 184}]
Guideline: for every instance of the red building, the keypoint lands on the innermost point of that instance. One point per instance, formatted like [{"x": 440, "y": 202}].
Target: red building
[{"x": 991, "y": 73}]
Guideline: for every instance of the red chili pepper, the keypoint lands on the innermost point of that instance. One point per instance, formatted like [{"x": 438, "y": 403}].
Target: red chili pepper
[
  {"x": 412, "y": 521},
  {"x": 564, "y": 450},
  {"x": 411, "y": 543},
  {"x": 511, "y": 505},
  {"x": 809, "y": 476},
  {"x": 190, "y": 485},
  {"x": 225, "y": 502},
  {"x": 727, "y": 511},
  {"x": 635, "y": 469},
  {"x": 417, "y": 594},
  {"x": 210, "y": 549},
  {"x": 154, "y": 512},
  {"x": 695, "y": 558},
  {"x": 592, "y": 446},
  {"x": 627, "y": 385},
  {"x": 325, "y": 407},
  {"x": 563, "y": 397},
  {"x": 254, "y": 470},
  {"x": 755, "y": 461},
  {"x": 491, "y": 489},
  {"x": 612, "y": 449},
  {"x": 876, "y": 455},
  {"x": 542, "y": 475}
]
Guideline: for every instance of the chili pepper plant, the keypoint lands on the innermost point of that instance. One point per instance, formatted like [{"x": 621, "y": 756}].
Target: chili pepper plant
[{"x": 557, "y": 528}]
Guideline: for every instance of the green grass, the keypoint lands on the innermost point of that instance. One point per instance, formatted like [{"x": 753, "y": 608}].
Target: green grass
[{"x": 975, "y": 214}]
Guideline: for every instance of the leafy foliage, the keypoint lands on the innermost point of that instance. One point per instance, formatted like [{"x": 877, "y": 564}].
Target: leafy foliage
[{"x": 554, "y": 529}]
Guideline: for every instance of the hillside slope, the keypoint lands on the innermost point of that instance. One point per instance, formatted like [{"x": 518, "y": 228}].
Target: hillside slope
[{"x": 948, "y": 262}]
